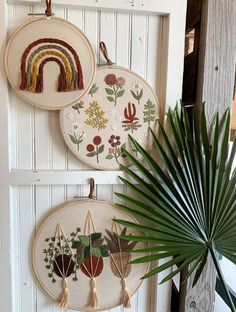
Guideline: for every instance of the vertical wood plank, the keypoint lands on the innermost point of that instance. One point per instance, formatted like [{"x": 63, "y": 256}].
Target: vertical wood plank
[
  {"x": 6, "y": 232},
  {"x": 138, "y": 53},
  {"x": 123, "y": 40},
  {"x": 217, "y": 56},
  {"x": 25, "y": 229},
  {"x": 107, "y": 33},
  {"x": 77, "y": 17},
  {"x": 215, "y": 88},
  {"x": 42, "y": 204}
]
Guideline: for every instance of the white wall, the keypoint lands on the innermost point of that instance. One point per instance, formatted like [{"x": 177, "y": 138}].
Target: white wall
[{"x": 137, "y": 40}]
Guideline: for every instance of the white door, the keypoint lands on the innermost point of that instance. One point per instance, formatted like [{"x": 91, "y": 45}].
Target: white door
[{"x": 37, "y": 172}]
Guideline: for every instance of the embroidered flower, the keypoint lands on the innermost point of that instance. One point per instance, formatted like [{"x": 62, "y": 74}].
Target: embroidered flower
[
  {"x": 94, "y": 149},
  {"x": 136, "y": 91},
  {"x": 114, "y": 140},
  {"x": 135, "y": 87},
  {"x": 76, "y": 126},
  {"x": 69, "y": 116},
  {"x": 90, "y": 147},
  {"x": 97, "y": 140},
  {"x": 110, "y": 79},
  {"x": 120, "y": 81},
  {"x": 113, "y": 127},
  {"x": 111, "y": 150}
]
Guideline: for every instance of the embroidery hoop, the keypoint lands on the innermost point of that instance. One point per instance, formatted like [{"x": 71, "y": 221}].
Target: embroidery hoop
[
  {"x": 81, "y": 205},
  {"x": 66, "y": 125},
  {"x": 51, "y": 99}
]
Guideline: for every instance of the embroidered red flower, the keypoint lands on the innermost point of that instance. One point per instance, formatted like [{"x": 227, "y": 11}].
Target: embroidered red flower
[
  {"x": 110, "y": 79},
  {"x": 90, "y": 147},
  {"x": 97, "y": 140},
  {"x": 120, "y": 81},
  {"x": 114, "y": 140}
]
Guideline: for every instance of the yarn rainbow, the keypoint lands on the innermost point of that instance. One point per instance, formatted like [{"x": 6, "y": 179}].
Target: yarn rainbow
[{"x": 45, "y": 50}]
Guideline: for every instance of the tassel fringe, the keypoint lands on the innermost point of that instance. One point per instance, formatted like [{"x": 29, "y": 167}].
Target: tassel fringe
[
  {"x": 64, "y": 297},
  {"x": 126, "y": 295},
  {"x": 93, "y": 298}
]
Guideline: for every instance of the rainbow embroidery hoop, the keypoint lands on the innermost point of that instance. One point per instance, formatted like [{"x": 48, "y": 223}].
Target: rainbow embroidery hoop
[
  {"x": 119, "y": 103},
  {"x": 97, "y": 282},
  {"x": 50, "y": 63}
]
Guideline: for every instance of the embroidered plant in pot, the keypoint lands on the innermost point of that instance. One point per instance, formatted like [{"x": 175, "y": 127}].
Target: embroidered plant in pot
[
  {"x": 120, "y": 257},
  {"x": 90, "y": 247},
  {"x": 61, "y": 261}
]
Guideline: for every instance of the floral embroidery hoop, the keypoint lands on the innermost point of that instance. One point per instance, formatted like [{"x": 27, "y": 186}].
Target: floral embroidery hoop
[
  {"x": 119, "y": 103},
  {"x": 50, "y": 63},
  {"x": 67, "y": 220}
]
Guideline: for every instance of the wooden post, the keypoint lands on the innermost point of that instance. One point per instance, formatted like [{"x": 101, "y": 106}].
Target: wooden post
[
  {"x": 217, "y": 56},
  {"x": 215, "y": 88}
]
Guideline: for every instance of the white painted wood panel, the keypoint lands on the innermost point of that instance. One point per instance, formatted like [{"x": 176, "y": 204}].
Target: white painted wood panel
[{"x": 43, "y": 172}]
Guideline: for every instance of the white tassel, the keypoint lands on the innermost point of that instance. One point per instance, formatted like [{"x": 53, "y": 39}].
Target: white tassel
[
  {"x": 93, "y": 299},
  {"x": 64, "y": 297},
  {"x": 126, "y": 295}
]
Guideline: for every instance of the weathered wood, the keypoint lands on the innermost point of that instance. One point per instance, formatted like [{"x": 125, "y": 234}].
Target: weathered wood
[
  {"x": 215, "y": 88},
  {"x": 201, "y": 297},
  {"x": 217, "y": 56}
]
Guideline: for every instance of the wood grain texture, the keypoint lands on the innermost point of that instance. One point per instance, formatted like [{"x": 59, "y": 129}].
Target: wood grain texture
[
  {"x": 217, "y": 56},
  {"x": 215, "y": 88},
  {"x": 201, "y": 297}
]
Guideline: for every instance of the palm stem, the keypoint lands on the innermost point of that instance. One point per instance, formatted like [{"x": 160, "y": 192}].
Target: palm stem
[{"x": 221, "y": 277}]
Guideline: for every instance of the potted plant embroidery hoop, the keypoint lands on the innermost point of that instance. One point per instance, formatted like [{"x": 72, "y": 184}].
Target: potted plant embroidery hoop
[
  {"x": 118, "y": 120},
  {"x": 65, "y": 58},
  {"x": 40, "y": 231}
]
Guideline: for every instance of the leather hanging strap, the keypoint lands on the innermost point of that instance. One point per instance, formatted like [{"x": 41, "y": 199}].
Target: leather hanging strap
[
  {"x": 104, "y": 51},
  {"x": 48, "y": 11},
  {"x": 92, "y": 186}
]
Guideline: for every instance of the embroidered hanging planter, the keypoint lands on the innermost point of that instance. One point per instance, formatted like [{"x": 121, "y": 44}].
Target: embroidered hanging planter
[
  {"x": 119, "y": 103},
  {"x": 74, "y": 262},
  {"x": 120, "y": 257},
  {"x": 50, "y": 63}
]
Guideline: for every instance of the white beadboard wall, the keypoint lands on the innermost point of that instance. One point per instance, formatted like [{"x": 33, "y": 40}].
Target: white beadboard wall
[
  {"x": 138, "y": 40},
  {"x": 36, "y": 141}
]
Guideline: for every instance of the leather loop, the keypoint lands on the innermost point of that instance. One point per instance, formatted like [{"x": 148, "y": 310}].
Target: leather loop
[{"x": 104, "y": 51}]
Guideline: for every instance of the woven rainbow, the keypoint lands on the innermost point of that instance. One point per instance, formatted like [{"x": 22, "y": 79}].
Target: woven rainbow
[{"x": 45, "y": 50}]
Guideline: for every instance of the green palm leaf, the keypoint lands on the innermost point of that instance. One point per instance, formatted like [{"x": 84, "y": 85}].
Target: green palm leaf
[{"x": 187, "y": 199}]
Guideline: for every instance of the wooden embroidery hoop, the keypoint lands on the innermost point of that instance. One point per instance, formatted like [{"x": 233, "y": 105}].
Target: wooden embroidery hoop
[
  {"x": 53, "y": 100},
  {"x": 68, "y": 111},
  {"x": 80, "y": 204}
]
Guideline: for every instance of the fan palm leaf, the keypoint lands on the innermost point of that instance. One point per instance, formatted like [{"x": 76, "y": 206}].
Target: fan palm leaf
[{"x": 189, "y": 200}]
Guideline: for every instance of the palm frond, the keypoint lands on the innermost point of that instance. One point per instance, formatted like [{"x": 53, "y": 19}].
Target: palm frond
[{"x": 189, "y": 200}]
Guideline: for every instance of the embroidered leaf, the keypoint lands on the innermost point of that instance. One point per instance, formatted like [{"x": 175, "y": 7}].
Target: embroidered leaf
[
  {"x": 84, "y": 240},
  {"x": 134, "y": 95},
  {"x": 109, "y": 157},
  {"x": 95, "y": 236},
  {"x": 73, "y": 139},
  {"x": 92, "y": 154},
  {"x": 101, "y": 149},
  {"x": 95, "y": 251},
  {"x": 98, "y": 243},
  {"x": 76, "y": 244},
  {"x": 110, "y": 99},
  {"x": 149, "y": 112},
  {"x": 104, "y": 251},
  {"x": 109, "y": 91},
  {"x": 87, "y": 251},
  {"x": 120, "y": 93},
  {"x": 94, "y": 89}
]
